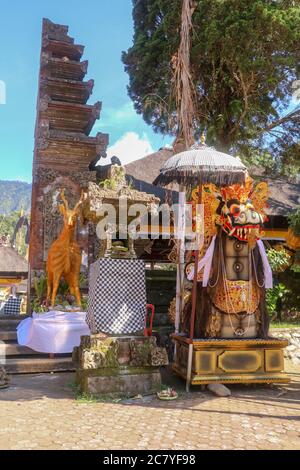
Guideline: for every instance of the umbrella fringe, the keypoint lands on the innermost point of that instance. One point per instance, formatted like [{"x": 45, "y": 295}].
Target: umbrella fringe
[{"x": 221, "y": 177}]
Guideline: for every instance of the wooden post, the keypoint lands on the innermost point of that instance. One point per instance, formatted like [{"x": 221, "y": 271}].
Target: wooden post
[
  {"x": 194, "y": 304},
  {"x": 181, "y": 258},
  {"x": 189, "y": 367}
]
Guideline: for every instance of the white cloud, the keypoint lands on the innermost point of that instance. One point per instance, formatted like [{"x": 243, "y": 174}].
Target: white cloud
[
  {"x": 112, "y": 117},
  {"x": 130, "y": 147},
  {"x": 126, "y": 112}
]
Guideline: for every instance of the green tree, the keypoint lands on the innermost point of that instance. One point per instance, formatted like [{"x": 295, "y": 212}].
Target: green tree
[
  {"x": 294, "y": 221},
  {"x": 8, "y": 224},
  {"x": 7, "y": 227},
  {"x": 244, "y": 66},
  {"x": 278, "y": 259},
  {"x": 17, "y": 196},
  {"x": 294, "y": 224}
]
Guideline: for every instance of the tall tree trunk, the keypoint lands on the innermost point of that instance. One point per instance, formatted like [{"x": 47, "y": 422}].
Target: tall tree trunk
[{"x": 183, "y": 86}]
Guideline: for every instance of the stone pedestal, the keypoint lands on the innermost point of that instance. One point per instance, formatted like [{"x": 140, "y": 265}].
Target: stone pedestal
[{"x": 119, "y": 365}]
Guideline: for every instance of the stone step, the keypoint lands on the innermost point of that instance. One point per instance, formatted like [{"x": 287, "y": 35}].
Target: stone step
[
  {"x": 10, "y": 322},
  {"x": 13, "y": 317},
  {"x": 37, "y": 365},
  {"x": 9, "y": 325},
  {"x": 15, "y": 349},
  {"x": 8, "y": 335}
]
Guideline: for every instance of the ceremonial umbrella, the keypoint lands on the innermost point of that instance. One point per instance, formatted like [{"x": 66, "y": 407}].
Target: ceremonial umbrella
[
  {"x": 194, "y": 167},
  {"x": 201, "y": 165}
]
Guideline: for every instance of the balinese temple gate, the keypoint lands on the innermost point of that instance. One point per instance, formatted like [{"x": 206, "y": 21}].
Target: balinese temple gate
[{"x": 63, "y": 148}]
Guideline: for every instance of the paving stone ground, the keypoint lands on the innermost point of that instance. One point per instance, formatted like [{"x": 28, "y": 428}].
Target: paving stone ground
[{"x": 42, "y": 412}]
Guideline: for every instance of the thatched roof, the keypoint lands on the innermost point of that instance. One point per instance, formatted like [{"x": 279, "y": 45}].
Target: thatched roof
[
  {"x": 284, "y": 196},
  {"x": 141, "y": 173},
  {"x": 11, "y": 263},
  {"x": 146, "y": 169}
]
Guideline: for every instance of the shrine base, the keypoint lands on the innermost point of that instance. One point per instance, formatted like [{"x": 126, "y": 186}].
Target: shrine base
[
  {"x": 231, "y": 360},
  {"x": 119, "y": 365}
]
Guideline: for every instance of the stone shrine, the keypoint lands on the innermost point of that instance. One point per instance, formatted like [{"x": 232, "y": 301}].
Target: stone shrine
[{"x": 124, "y": 365}]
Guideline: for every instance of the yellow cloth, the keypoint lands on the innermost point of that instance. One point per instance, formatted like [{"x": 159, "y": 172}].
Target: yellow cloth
[{"x": 10, "y": 281}]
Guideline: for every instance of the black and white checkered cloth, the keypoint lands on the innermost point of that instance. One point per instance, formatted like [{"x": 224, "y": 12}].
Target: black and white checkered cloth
[
  {"x": 117, "y": 296},
  {"x": 12, "y": 306}
]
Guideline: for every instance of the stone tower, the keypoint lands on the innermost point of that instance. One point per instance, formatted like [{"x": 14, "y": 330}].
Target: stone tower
[{"x": 63, "y": 147}]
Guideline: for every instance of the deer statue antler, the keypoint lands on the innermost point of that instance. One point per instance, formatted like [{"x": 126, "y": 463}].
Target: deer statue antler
[
  {"x": 64, "y": 200},
  {"x": 79, "y": 203}
]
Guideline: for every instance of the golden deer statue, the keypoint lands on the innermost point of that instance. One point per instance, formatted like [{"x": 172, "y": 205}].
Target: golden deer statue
[{"x": 64, "y": 255}]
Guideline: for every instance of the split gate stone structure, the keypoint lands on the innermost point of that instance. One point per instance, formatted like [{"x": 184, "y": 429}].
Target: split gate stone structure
[{"x": 63, "y": 145}]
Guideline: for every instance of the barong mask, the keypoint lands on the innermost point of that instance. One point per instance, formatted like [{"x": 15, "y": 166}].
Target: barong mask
[{"x": 238, "y": 209}]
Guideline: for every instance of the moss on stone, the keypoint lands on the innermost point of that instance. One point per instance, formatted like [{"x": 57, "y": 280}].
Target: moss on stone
[{"x": 140, "y": 353}]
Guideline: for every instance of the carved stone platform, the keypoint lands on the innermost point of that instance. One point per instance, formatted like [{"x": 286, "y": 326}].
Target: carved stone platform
[
  {"x": 231, "y": 360},
  {"x": 119, "y": 365}
]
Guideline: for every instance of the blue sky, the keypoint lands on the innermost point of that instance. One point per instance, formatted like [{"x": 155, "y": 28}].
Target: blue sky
[{"x": 105, "y": 28}]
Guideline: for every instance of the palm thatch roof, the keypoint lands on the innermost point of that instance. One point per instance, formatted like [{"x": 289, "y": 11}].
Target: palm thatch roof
[
  {"x": 11, "y": 263},
  {"x": 147, "y": 168},
  {"x": 284, "y": 195},
  {"x": 141, "y": 173}
]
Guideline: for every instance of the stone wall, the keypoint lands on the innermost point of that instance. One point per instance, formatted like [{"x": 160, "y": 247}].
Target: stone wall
[
  {"x": 161, "y": 289},
  {"x": 292, "y": 351}
]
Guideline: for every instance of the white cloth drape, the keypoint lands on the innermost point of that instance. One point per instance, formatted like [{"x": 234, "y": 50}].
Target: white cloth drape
[
  {"x": 205, "y": 262},
  {"x": 53, "y": 332},
  {"x": 267, "y": 268}
]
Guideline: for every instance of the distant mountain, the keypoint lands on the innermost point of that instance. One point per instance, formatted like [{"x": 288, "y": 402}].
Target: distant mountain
[{"x": 14, "y": 195}]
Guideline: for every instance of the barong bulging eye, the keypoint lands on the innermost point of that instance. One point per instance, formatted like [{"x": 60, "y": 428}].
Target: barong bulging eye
[{"x": 235, "y": 210}]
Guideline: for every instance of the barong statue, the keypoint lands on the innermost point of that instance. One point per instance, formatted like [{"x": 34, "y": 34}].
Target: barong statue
[{"x": 233, "y": 265}]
